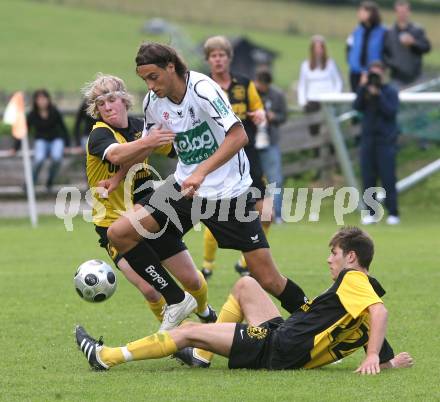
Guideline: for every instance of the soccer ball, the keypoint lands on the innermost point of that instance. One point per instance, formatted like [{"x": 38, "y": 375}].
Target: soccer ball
[{"x": 95, "y": 281}]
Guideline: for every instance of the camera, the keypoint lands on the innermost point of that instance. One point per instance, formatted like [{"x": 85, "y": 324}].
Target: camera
[{"x": 374, "y": 79}]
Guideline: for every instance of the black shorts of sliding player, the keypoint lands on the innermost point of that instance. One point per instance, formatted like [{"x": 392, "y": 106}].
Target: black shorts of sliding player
[
  {"x": 143, "y": 259},
  {"x": 292, "y": 297}
]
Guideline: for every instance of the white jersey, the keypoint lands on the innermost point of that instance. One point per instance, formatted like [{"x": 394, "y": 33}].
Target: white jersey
[{"x": 200, "y": 121}]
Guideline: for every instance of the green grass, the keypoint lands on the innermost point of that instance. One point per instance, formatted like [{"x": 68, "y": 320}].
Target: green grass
[
  {"x": 40, "y": 362},
  {"x": 61, "y": 45}
]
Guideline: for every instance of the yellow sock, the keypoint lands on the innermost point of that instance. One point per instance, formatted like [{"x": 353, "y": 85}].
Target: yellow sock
[
  {"x": 111, "y": 356},
  {"x": 230, "y": 312},
  {"x": 201, "y": 294},
  {"x": 242, "y": 261},
  {"x": 157, "y": 307},
  {"x": 209, "y": 249},
  {"x": 154, "y": 346}
]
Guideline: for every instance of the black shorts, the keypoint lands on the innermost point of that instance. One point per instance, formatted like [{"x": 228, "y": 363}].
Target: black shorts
[
  {"x": 256, "y": 171},
  {"x": 168, "y": 245},
  {"x": 104, "y": 242},
  {"x": 244, "y": 233},
  {"x": 251, "y": 346}
]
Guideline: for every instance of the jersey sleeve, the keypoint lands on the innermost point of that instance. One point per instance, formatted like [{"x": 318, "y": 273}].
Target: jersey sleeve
[
  {"x": 214, "y": 102},
  {"x": 167, "y": 150},
  {"x": 100, "y": 140},
  {"x": 356, "y": 293},
  {"x": 255, "y": 102},
  {"x": 149, "y": 122}
]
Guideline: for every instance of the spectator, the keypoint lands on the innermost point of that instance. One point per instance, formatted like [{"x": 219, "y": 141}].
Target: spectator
[
  {"x": 46, "y": 123},
  {"x": 276, "y": 113},
  {"x": 83, "y": 125},
  {"x": 319, "y": 74},
  {"x": 405, "y": 44},
  {"x": 379, "y": 104},
  {"x": 365, "y": 44}
]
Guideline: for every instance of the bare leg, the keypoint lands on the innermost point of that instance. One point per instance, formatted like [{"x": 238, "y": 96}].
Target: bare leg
[
  {"x": 256, "y": 305},
  {"x": 261, "y": 206},
  {"x": 216, "y": 338},
  {"x": 262, "y": 267},
  {"x": 182, "y": 266},
  {"x": 124, "y": 236}
]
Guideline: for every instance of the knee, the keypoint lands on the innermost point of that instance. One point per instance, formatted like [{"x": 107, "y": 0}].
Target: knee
[
  {"x": 192, "y": 282},
  {"x": 116, "y": 233},
  {"x": 244, "y": 285}
]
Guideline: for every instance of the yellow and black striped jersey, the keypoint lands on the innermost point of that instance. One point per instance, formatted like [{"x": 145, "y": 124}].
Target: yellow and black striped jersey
[
  {"x": 107, "y": 210},
  {"x": 244, "y": 98},
  {"x": 331, "y": 326}
]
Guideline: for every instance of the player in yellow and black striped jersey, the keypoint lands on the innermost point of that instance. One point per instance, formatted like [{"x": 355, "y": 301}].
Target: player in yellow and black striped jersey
[
  {"x": 347, "y": 316},
  {"x": 113, "y": 134},
  {"x": 101, "y": 138}
]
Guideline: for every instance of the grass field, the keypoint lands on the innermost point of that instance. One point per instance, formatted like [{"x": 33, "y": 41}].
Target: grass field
[
  {"x": 61, "y": 45},
  {"x": 40, "y": 361}
]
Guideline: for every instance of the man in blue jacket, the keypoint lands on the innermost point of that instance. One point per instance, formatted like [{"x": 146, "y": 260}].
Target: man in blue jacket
[{"x": 379, "y": 104}]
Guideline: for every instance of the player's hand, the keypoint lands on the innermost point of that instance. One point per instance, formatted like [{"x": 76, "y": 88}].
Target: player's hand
[
  {"x": 402, "y": 360},
  {"x": 192, "y": 184},
  {"x": 364, "y": 79},
  {"x": 159, "y": 136},
  {"x": 373, "y": 90},
  {"x": 407, "y": 39},
  {"x": 105, "y": 187},
  {"x": 370, "y": 365},
  {"x": 258, "y": 116}
]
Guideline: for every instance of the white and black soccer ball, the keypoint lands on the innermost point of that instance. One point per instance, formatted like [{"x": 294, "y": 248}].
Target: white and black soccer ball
[{"x": 95, "y": 281}]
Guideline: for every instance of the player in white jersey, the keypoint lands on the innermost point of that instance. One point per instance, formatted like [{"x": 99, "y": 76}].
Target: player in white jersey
[
  {"x": 200, "y": 121},
  {"x": 211, "y": 182}
]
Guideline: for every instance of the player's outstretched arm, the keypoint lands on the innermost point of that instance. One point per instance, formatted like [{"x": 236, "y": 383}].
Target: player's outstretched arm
[
  {"x": 235, "y": 139},
  {"x": 378, "y": 325},
  {"x": 402, "y": 360},
  {"x": 136, "y": 151}
]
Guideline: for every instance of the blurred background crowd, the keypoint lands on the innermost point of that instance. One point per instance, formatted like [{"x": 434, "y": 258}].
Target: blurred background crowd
[{"x": 371, "y": 49}]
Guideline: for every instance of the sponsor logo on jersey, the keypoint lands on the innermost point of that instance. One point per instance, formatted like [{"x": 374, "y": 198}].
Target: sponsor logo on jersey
[
  {"x": 195, "y": 145},
  {"x": 194, "y": 121},
  {"x": 220, "y": 107}
]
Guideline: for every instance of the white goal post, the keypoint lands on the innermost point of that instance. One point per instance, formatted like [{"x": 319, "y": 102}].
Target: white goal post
[{"x": 328, "y": 101}]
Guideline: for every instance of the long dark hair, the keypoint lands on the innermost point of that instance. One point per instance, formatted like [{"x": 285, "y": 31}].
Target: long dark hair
[
  {"x": 373, "y": 9},
  {"x": 312, "y": 60},
  {"x": 38, "y": 93},
  {"x": 160, "y": 55}
]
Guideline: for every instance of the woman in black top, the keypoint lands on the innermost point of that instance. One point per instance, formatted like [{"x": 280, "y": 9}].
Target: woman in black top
[{"x": 50, "y": 133}]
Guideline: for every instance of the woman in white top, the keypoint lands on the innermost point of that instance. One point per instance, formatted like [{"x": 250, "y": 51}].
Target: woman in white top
[{"x": 319, "y": 74}]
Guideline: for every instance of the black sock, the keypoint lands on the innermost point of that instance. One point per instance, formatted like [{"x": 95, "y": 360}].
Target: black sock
[
  {"x": 146, "y": 263},
  {"x": 292, "y": 297}
]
